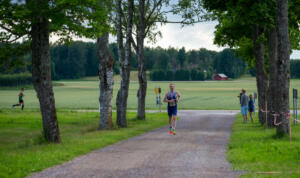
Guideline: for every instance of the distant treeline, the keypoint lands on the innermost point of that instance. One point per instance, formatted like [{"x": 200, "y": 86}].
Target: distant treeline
[{"x": 80, "y": 59}]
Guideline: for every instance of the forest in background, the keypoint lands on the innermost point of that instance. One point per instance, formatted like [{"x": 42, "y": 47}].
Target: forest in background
[{"x": 80, "y": 59}]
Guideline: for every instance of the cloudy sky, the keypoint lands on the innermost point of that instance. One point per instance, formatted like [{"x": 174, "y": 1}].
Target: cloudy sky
[
  {"x": 193, "y": 37},
  {"x": 200, "y": 35}
]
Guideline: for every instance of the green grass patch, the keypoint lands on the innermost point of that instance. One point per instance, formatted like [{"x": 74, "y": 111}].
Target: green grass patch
[
  {"x": 259, "y": 153},
  {"x": 84, "y": 94},
  {"x": 23, "y": 149}
]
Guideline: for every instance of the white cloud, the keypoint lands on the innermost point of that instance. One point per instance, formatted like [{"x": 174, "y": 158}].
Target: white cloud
[
  {"x": 191, "y": 37},
  {"x": 198, "y": 36},
  {"x": 295, "y": 54}
]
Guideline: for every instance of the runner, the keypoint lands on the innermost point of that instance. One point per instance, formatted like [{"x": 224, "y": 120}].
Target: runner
[
  {"x": 21, "y": 101},
  {"x": 172, "y": 98}
]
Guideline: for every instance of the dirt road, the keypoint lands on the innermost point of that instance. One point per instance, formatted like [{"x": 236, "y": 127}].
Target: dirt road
[{"x": 198, "y": 150}]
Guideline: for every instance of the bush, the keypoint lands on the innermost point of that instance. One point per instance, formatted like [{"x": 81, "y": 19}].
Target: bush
[
  {"x": 161, "y": 75},
  {"x": 15, "y": 79},
  {"x": 169, "y": 75},
  {"x": 197, "y": 75},
  {"x": 182, "y": 75},
  {"x": 157, "y": 75}
]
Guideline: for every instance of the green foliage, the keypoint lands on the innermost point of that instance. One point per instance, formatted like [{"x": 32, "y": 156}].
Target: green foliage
[
  {"x": 159, "y": 75},
  {"x": 20, "y": 79},
  {"x": 23, "y": 149},
  {"x": 182, "y": 75},
  {"x": 254, "y": 149},
  {"x": 197, "y": 75},
  {"x": 227, "y": 63},
  {"x": 181, "y": 57},
  {"x": 66, "y": 18}
]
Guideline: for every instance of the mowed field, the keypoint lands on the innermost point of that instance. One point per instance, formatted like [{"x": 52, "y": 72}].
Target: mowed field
[{"x": 84, "y": 94}]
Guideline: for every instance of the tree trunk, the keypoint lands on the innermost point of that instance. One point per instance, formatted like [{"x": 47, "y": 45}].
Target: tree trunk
[
  {"x": 124, "y": 58},
  {"x": 261, "y": 74},
  {"x": 106, "y": 77},
  {"x": 41, "y": 75},
  {"x": 283, "y": 67},
  {"x": 142, "y": 64},
  {"x": 272, "y": 93}
]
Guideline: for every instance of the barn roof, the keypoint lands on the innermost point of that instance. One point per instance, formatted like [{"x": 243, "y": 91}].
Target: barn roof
[{"x": 222, "y": 75}]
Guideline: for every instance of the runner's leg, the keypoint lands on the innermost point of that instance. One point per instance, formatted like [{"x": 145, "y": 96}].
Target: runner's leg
[{"x": 174, "y": 121}]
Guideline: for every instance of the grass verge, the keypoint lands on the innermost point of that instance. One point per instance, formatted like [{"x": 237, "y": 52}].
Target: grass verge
[
  {"x": 259, "y": 153},
  {"x": 23, "y": 149}
]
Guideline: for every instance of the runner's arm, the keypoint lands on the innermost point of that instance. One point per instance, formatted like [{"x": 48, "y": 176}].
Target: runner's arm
[
  {"x": 178, "y": 97},
  {"x": 166, "y": 99}
]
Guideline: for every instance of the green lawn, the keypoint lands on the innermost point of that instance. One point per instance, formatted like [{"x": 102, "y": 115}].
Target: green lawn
[
  {"x": 83, "y": 94},
  {"x": 23, "y": 149},
  {"x": 258, "y": 153}
]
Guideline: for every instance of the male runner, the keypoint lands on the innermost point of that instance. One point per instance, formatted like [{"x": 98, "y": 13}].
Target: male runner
[
  {"x": 172, "y": 98},
  {"x": 21, "y": 101}
]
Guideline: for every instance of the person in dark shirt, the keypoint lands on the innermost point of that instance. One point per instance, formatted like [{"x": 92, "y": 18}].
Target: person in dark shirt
[
  {"x": 251, "y": 107},
  {"x": 21, "y": 101},
  {"x": 244, "y": 105}
]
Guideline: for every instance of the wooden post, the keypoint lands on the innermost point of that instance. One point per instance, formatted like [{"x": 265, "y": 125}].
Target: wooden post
[
  {"x": 159, "y": 103},
  {"x": 266, "y": 114},
  {"x": 290, "y": 131}
]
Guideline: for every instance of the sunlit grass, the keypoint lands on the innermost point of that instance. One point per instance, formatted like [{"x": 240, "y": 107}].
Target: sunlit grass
[
  {"x": 256, "y": 151},
  {"x": 23, "y": 149},
  {"x": 84, "y": 94}
]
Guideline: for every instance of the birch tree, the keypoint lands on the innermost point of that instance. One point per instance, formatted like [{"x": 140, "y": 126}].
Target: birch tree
[
  {"x": 33, "y": 21},
  {"x": 124, "y": 56}
]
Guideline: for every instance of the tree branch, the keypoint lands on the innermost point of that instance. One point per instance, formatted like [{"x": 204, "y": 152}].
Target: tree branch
[
  {"x": 133, "y": 44},
  {"x": 179, "y": 22},
  {"x": 152, "y": 11}
]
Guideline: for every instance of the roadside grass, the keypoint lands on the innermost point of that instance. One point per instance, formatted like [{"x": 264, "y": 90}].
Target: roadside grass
[
  {"x": 23, "y": 149},
  {"x": 256, "y": 151}
]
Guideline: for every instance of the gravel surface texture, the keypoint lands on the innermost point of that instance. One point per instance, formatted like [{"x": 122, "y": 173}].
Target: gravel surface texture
[{"x": 197, "y": 150}]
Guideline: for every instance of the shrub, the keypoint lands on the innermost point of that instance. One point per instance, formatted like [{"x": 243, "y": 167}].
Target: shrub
[
  {"x": 182, "y": 75},
  {"x": 15, "y": 79},
  {"x": 157, "y": 75}
]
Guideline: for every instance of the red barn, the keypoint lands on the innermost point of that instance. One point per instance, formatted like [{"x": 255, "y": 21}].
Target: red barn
[{"x": 220, "y": 77}]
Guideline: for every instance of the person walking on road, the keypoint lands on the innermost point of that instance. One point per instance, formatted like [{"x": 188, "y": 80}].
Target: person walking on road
[
  {"x": 251, "y": 107},
  {"x": 244, "y": 105},
  {"x": 172, "y": 98}
]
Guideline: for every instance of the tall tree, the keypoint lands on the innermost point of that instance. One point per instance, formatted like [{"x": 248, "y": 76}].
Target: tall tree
[
  {"x": 106, "y": 63},
  {"x": 181, "y": 57},
  {"x": 283, "y": 66},
  {"x": 33, "y": 21},
  {"x": 124, "y": 58},
  {"x": 148, "y": 13}
]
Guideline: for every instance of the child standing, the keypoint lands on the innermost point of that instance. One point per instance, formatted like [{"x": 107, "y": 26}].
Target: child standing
[{"x": 251, "y": 107}]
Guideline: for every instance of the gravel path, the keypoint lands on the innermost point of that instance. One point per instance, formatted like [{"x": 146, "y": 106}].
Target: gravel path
[{"x": 198, "y": 150}]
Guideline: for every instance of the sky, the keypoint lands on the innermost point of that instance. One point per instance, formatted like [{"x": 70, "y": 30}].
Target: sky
[{"x": 197, "y": 36}]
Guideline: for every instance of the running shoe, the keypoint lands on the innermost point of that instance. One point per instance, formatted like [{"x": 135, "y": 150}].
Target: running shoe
[
  {"x": 174, "y": 132},
  {"x": 171, "y": 131}
]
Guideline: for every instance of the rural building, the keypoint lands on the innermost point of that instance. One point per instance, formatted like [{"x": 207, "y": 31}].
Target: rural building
[{"x": 220, "y": 77}]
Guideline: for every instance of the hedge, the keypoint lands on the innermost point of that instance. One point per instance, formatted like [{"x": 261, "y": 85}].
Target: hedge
[
  {"x": 15, "y": 79},
  {"x": 179, "y": 75}
]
